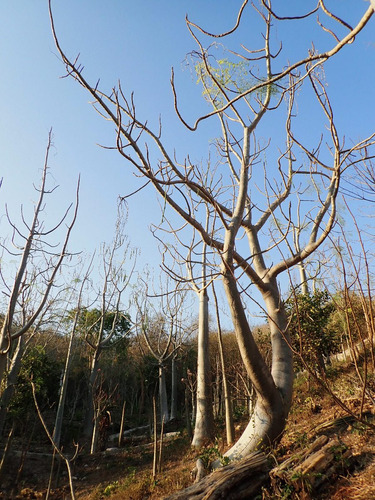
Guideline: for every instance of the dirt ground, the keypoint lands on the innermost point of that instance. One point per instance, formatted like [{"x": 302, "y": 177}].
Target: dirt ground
[{"x": 126, "y": 473}]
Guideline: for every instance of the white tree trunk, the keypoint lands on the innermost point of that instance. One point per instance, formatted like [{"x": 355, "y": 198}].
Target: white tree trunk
[
  {"x": 203, "y": 430},
  {"x": 274, "y": 390}
]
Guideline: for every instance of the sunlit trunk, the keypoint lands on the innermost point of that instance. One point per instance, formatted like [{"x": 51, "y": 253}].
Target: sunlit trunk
[
  {"x": 203, "y": 430},
  {"x": 274, "y": 389}
]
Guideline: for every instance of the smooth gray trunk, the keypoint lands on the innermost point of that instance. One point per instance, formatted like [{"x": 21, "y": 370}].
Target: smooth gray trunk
[
  {"x": 274, "y": 389},
  {"x": 203, "y": 430}
]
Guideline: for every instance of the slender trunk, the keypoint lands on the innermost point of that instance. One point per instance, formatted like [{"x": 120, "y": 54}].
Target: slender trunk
[
  {"x": 174, "y": 389},
  {"x": 217, "y": 390},
  {"x": 164, "y": 412},
  {"x": 229, "y": 425},
  {"x": 303, "y": 278},
  {"x": 187, "y": 413},
  {"x": 95, "y": 431},
  {"x": 63, "y": 391},
  {"x": 121, "y": 433},
  {"x": 91, "y": 406},
  {"x": 11, "y": 380},
  {"x": 203, "y": 430},
  {"x": 154, "y": 464}
]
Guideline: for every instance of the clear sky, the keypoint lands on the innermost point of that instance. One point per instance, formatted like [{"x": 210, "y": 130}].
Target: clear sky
[{"x": 137, "y": 42}]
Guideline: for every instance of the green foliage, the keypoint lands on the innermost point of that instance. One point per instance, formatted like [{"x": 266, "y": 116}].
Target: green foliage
[
  {"x": 239, "y": 412},
  {"x": 233, "y": 78},
  {"x": 44, "y": 372},
  {"x": 90, "y": 323},
  {"x": 209, "y": 455},
  {"x": 111, "y": 488},
  {"x": 309, "y": 316},
  {"x": 351, "y": 317}
]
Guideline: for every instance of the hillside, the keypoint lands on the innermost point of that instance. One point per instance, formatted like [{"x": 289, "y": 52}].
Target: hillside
[{"x": 126, "y": 473}]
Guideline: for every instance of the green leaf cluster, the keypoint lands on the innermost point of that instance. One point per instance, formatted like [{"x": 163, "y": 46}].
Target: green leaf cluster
[
  {"x": 37, "y": 367},
  {"x": 233, "y": 78},
  {"x": 308, "y": 315}
]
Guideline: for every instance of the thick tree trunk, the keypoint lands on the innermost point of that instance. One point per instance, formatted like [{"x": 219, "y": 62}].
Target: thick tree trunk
[
  {"x": 273, "y": 389},
  {"x": 203, "y": 430}
]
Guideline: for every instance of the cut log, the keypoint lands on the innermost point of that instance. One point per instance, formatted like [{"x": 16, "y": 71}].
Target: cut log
[
  {"x": 306, "y": 471},
  {"x": 241, "y": 480}
]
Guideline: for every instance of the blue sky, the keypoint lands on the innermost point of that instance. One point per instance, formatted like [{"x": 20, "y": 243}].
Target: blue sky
[{"x": 138, "y": 43}]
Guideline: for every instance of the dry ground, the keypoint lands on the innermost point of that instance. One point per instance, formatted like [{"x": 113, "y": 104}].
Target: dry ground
[{"x": 127, "y": 473}]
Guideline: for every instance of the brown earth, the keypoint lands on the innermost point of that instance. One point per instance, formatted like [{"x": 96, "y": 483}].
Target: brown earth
[{"x": 126, "y": 473}]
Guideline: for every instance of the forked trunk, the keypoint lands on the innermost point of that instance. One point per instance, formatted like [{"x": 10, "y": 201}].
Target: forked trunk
[{"x": 273, "y": 388}]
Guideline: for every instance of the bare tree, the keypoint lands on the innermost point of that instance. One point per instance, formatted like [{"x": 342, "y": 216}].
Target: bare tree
[
  {"x": 106, "y": 322},
  {"x": 69, "y": 355},
  {"x": 39, "y": 265},
  {"x": 252, "y": 220},
  {"x": 160, "y": 325}
]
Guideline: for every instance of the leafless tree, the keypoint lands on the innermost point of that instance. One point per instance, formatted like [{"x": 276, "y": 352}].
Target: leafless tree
[
  {"x": 258, "y": 188},
  {"x": 104, "y": 316},
  {"x": 160, "y": 325},
  {"x": 28, "y": 291}
]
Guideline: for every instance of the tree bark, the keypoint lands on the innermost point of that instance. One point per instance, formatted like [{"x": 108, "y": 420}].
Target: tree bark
[
  {"x": 91, "y": 410},
  {"x": 174, "y": 389},
  {"x": 63, "y": 391},
  {"x": 164, "y": 412},
  {"x": 11, "y": 380},
  {"x": 203, "y": 430},
  {"x": 233, "y": 482},
  {"x": 273, "y": 389},
  {"x": 307, "y": 471}
]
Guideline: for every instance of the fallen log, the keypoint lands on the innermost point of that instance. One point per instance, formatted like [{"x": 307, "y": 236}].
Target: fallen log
[
  {"x": 305, "y": 472},
  {"x": 240, "y": 480}
]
